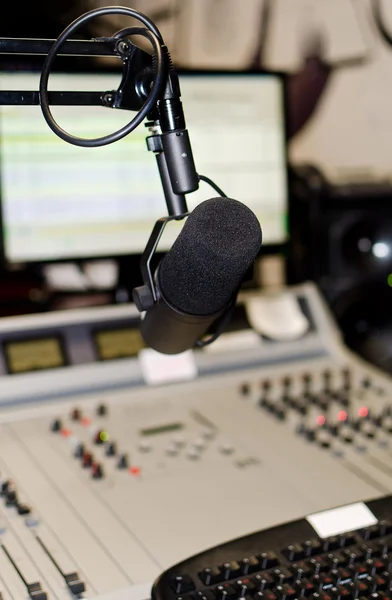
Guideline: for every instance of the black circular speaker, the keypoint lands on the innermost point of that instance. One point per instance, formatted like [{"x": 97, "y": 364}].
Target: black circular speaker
[
  {"x": 365, "y": 317},
  {"x": 366, "y": 245}
]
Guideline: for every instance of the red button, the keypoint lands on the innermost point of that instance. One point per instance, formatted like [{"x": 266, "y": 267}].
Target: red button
[
  {"x": 134, "y": 470},
  {"x": 66, "y": 432}
]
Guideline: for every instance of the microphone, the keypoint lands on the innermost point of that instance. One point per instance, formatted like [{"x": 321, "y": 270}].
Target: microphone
[{"x": 198, "y": 279}]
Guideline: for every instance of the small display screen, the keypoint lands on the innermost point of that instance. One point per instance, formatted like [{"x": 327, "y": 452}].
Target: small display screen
[
  {"x": 118, "y": 343},
  {"x": 162, "y": 429},
  {"x": 34, "y": 355}
]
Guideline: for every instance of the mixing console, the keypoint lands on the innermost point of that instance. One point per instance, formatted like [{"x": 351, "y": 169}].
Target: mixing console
[{"x": 104, "y": 488}]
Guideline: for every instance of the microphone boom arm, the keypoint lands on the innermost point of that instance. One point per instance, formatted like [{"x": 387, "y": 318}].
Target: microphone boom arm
[{"x": 169, "y": 140}]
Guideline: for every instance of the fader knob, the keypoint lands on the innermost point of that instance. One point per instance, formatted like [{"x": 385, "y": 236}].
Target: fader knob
[
  {"x": 245, "y": 389},
  {"x": 99, "y": 437},
  {"x": 79, "y": 451},
  {"x": 111, "y": 449},
  {"x": 76, "y": 414},
  {"x": 56, "y": 425},
  {"x": 11, "y": 497},
  {"x": 87, "y": 459},
  {"x": 102, "y": 410},
  {"x": 123, "y": 462},
  {"x": 96, "y": 471}
]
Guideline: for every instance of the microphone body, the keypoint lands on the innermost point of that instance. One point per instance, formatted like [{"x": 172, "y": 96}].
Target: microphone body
[
  {"x": 198, "y": 279},
  {"x": 171, "y": 331}
]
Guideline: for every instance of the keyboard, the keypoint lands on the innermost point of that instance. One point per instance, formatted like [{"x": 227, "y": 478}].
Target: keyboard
[{"x": 291, "y": 561}]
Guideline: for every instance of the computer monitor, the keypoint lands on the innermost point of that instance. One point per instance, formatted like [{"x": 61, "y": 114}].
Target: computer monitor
[{"x": 63, "y": 202}]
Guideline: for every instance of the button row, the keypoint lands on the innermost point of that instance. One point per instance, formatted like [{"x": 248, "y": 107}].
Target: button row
[
  {"x": 229, "y": 570},
  {"x": 280, "y": 583}
]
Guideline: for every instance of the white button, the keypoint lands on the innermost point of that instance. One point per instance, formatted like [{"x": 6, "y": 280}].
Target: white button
[
  {"x": 193, "y": 454},
  {"x": 199, "y": 444},
  {"x": 172, "y": 450},
  {"x": 145, "y": 446},
  {"x": 178, "y": 441},
  {"x": 208, "y": 434}
]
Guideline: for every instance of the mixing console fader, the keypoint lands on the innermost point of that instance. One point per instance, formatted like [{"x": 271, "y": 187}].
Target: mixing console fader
[{"x": 105, "y": 481}]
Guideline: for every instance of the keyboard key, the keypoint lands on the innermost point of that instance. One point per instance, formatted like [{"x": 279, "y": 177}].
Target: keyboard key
[
  {"x": 263, "y": 581},
  {"x": 361, "y": 571},
  {"x": 379, "y": 582},
  {"x": 209, "y": 576},
  {"x": 342, "y": 593},
  {"x": 344, "y": 576},
  {"x": 385, "y": 527},
  {"x": 249, "y": 564},
  {"x": 231, "y": 569},
  {"x": 372, "y": 532},
  {"x": 327, "y": 581},
  {"x": 286, "y": 592},
  {"x": 348, "y": 539},
  {"x": 181, "y": 584},
  {"x": 318, "y": 564},
  {"x": 283, "y": 575},
  {"x": 337, "y": 559},
  {"x": 225, "y": 591},
  {"x": 361, "y": 588},
  {"x": 244, "y": 587},
  {"x": 301, "y": 569},
  {"x": 312, "y": 547},
  {"x": 305, "y": 587},
  {"x": 268, "y": 559},
  {"x": 332, "y": 543},
  {"x": 294, "y": 552}
]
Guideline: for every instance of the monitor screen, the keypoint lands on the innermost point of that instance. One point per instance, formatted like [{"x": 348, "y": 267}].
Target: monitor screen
[{"x": 61, "y": 201}]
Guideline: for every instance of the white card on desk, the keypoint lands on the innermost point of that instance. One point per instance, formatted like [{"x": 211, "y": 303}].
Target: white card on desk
[
  {"x": 342, "y": 519},
  {"x": 164, "y": 368}
]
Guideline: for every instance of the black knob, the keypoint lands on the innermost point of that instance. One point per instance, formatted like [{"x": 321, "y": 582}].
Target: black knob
[
  {"x": 76, "y": 414},
  {"x": 102, "y": 410},
  {"x": 23, "y": 509},
  {"x": 97, "y": 471},
  {"x": 111, "y": 449},
  {"x": 99, "y": 437},
  {"x": 56, "y": 425},
  {"x": 11, "y": 497},
  {"x": 4, "y": 487},
  {"x": 123, "y": 462},
  {"x": 87, "y": 459},
  {"x": 266, "y": 385},
  {"x": 79, "y": 451},
  {"x": 245, "y": 389}
]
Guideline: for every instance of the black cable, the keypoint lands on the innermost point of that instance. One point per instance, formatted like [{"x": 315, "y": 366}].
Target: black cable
[
  {"x": 152, "y": 33},
  {"x": 213, "y": 185},
  {"x": 379, "y": 19}
]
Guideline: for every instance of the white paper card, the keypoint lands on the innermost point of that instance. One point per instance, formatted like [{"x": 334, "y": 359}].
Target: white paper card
[
  {"x": 163, "y": 368},
  {"x": 342, "y": 519},
  {"x": 235, "y": 341}
]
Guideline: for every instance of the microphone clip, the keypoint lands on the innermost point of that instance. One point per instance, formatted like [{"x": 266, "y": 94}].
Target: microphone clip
[{"x": 145, "y": 296}]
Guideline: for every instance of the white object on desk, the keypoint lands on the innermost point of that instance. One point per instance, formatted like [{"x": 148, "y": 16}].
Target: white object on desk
[
  {"x": 342, "y": 519},
  {"x": 160, "y": 368},
  {"x": 276, "y": 316}
]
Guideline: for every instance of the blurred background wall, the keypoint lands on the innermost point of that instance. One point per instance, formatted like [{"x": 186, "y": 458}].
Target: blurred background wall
[{"x": 349, "y": 134}]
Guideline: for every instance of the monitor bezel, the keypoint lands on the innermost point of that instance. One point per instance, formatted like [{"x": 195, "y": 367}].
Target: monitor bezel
[{"x": 132, "y": 259}]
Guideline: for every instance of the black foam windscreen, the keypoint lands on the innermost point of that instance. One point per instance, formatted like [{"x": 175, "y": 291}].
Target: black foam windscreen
[{"x": 208, "y": 260}]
